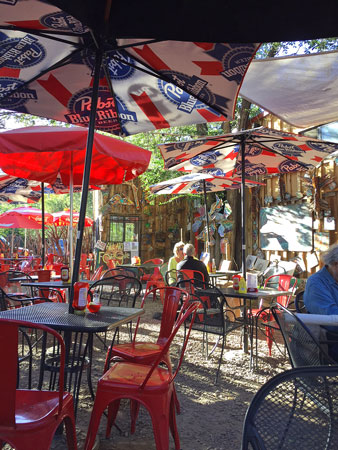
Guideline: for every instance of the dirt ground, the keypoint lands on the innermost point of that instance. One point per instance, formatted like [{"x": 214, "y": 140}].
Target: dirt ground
[{"x": 211, "y": 415}]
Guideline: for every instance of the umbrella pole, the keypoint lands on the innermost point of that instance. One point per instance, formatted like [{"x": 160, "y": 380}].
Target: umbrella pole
[
  {"x": 43, "y": 224},
  {"x": 206, "y": 215},
  {"x": 70, "y": 230},
  {"x": 86, "y": 174},
  {"x": 243, "y": 205}
]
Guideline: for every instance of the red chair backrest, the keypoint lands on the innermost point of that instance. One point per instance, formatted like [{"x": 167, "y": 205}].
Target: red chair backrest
[
  {"x": 188, "y": 310},
  {"x": 284, "y": 283},
  {"x": 156, "y": 276},
  {"x": 192, "y": 274},
  {"x": 171, "y": 302},
  {"x": 154, "y": 261},
  {"x": 8, "y": 378},
  {"x": 97, "y": 274}
]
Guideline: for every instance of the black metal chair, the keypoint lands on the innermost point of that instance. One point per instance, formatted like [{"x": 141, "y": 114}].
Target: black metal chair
[
  {"x": 303, "y": 347},
  {"x": 299, "y": 302},
  {"x": 214, "y": 316},
  {"x": 295, "y": 409},
  {"x": 120, "y": 291}
]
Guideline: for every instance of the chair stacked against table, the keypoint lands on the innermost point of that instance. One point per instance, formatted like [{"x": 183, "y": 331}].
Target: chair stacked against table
[
  {"x": 150, "y": 385},
  {"x": 29, "y": 418}
]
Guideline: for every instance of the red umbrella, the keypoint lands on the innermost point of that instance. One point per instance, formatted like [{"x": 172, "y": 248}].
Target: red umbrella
[
  {"x": 30, "y": 218},
  {"x": 27, "y": 218},
  {"x": 62, "y": 218},
  {"x": 54, "y": 154},
  {"x": 50, "y": 153}
]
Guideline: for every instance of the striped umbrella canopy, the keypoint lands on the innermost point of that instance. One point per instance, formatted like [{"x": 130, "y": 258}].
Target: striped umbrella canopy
[
  {"x": 199, "y": 183},
  {"x": 259, "y": 151}
]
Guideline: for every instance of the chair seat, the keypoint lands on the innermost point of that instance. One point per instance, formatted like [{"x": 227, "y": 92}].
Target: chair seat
[
  {"x": 35, "y": 406},
  {"x": 137, "y": 351},
  {"x": 130, "y": 375}
]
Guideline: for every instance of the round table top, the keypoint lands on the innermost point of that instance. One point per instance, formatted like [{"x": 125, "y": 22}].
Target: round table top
[{"x": 56, "y": 315}]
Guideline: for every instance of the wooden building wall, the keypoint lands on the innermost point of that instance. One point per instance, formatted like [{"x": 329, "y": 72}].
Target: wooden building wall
[{"x": 162, "y": 224}]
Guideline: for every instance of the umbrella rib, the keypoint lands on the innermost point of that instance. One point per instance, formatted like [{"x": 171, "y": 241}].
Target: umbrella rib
[
  {"x": 156, "y": 74},
  {"x": 44, "y": 34},
  {"x": 60, "y": 63}
]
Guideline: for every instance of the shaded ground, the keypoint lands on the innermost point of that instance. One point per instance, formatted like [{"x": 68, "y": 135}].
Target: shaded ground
[{"x": 212, "y": 415}]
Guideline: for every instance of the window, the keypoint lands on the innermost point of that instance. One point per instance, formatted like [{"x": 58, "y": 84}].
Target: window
[{"x": 124, "y": 229}]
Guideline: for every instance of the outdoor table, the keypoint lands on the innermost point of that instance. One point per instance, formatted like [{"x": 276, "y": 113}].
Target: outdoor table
[
  {"x": 247, "y": 297},
  {"x": 34, "y": 278},
  {"x": 219, "y": 274},
  {"x": 56, "y": 315}
]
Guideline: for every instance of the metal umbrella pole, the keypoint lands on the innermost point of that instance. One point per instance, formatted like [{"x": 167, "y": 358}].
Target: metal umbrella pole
[
  {"x": 43, "y": 250},
  {"x": 206, "y": 215},
  {"x": 86, "y": 175},
  {"x": 71, "y": 204},
  {"x": 243, "y": 139}
]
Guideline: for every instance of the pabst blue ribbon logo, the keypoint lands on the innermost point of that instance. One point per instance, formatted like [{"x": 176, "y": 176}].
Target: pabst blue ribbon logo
[
  {"x": 62, "y": 21},
  {"x": 106, "y": 114},
  {"x": 185, "y": 90},
  {"x": 170, "y": 162},
  {"x": 323, "y": 147},
  {"x": 204, "y": 159},
  {"x": 234, "y": 59},
  {"x": 117, "y": 69},
  {"x": 115, "y": 63},
  {"x": 19, "y": 96},
  {"x": 215, "y": 172},
  {"x": 292, "y": 166},
  {"x": 198, "y": 187},
  {"x": 251, "y": 168},
  {"x": 21, "y": 53},
  {"x": 285, "y": 148},
  {"x": 253, "y": 150}
]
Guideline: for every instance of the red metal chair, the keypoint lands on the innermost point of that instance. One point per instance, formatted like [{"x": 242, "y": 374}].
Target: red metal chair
[
  {"x": 141, "y": 352},
  {"x": 150, "y": 385},
  {"x": 156, "y": 281},
  {"x": 146, "y": 276},
  {"x": 84, "y": 268},
  {"x": 281, "y": 282},
  {"x": 29, "y": 418}
]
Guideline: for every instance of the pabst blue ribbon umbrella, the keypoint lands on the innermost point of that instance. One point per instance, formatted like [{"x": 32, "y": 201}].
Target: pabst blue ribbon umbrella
[
  {"x": 52, "y": 66},
  {"x": 200, "y": 183},
  {"x": 259, "y": 151}
]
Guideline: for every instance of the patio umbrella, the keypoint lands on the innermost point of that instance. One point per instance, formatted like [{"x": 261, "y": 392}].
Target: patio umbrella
[
  {"x": 63, "y": 219},
  {"x": 259, "y": 151},
  {"x": 200, "y": 183},
  {"x": 24, "y": 217},
  {"x": 57, "y": 155},
  {"x": 54, "y": 67}
]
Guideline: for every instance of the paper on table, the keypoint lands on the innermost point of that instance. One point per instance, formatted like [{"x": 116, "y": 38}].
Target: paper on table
[{"x": 318, "y": 319}]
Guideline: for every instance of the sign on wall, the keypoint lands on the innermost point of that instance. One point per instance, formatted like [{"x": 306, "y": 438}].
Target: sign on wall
[{"x": 286, "y": 227}]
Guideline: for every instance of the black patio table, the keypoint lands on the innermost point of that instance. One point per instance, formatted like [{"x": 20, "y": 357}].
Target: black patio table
[
  {"x": 56, "y": 315},
  {"x": 247, "y": 297}
]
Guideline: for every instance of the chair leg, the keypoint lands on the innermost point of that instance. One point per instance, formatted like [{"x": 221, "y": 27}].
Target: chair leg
[
  {"x": 70, "y": 433},
  {"x": 172, "y": 423},
  {"x": 98, "y": 408},
  {"x": 134, "y": 410},
  {"x": 113, "y": 409}
]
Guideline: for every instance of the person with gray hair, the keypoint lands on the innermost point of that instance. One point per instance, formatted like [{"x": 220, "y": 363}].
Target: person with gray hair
[
  {"x": 191, "y": 263},
  {"x": 321, "y": 294}
]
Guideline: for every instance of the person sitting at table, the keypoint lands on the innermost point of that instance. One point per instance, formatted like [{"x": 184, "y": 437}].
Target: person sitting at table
[
  {"x": 321, "y": 294},
  {"x": 191, "y": 263},
  {"x": 174, "y": 260}
]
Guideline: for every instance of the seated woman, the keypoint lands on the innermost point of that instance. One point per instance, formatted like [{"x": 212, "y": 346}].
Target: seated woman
[
  {"x": 321, "y": 294},
  {"x": 174, "y": 260}
]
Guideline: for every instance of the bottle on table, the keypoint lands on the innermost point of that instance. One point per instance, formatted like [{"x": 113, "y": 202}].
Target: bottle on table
[
  {"x": 235, "y": 281},
  {"x": 213, "y": 265},
  {"x": 80, "y": 297},
  {"x": 242, "y": 286}
]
